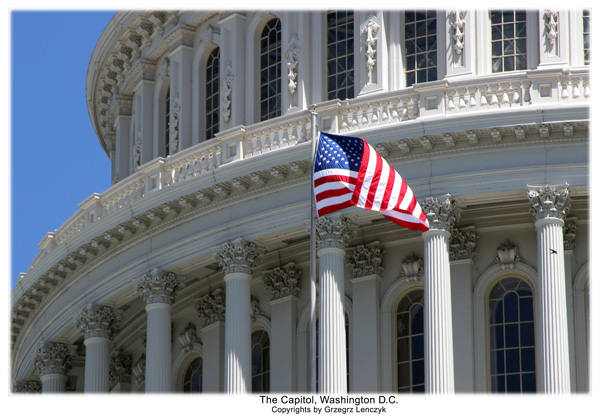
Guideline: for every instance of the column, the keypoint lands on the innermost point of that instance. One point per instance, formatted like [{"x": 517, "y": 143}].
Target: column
[
  {"x": 284, "y": 285},
  {"x": 367, "y": 265},
  {"x": 333, "y": 235},
  {"x": 211, "y": 309},
  {"x": 549, "y": 205},
  {"x": 462, "y": 251},
  {"x": 97, "y": 324},
  {"x": 439, "y": 359},
  {"x": 181, "y": 43},
  {"x": 121, "y": 110},
  {"x": 53, "y": 361},
  {"x": 238, "y": 259},
  {"x": 158, "y": 289}
]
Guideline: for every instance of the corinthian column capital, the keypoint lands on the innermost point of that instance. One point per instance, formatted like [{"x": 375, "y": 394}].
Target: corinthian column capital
[
  {"x": 54, "y": 358},
  {"x": 158, "y": 287},
  {"x": 211, "y": 307},
  {"x": 366, "y": 260},
  {"x": 549, "y": 201},
  {"x": 442, "y": 213},
  {"x": 97, "y": 321},
  {"x": 334, "y": 232},
  {"x": 238, "y": 256},
  {"x": 283, "y": 281}
]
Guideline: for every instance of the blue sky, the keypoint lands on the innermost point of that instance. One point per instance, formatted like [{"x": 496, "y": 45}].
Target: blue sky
[{"x": 56, "y": 158}]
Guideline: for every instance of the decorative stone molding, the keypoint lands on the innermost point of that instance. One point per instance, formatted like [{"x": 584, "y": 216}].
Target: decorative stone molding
[
  {"x": 54, "y": 358},
  {"x": 549, "y": 201},
  {"x": 412, "y": 268},
  {"x": 164, "y": 69},
  {"x": 139, "y": 369},
  {"x": 174, "y": 126},
  {"x": 459, "y": 30},
  {"x": 182, "y": 36},
  {"x": 370, "y": 30},
  {"x": 188, "y": 338},
  {"x": 119, "y": 369},
  {"x": 366, "y": 260},
  {"x": 508, "y": 255},
  {"x": 551, "y": 26},
  {"x": 463, "y": 243},
  {"x": 211, "y": 307},
  {"x": 238, "y": 256},
  {"x": 334, "y": 232},
  {"x": 210, "y": 33},
  {"x": 30, "y": 386},
  {"x": 520, "y": 132},
  {"x": 283, "y": 281},
  {"x": 226, "y": 89},
  {"x": 569, "y": 233},
  {"x": 441, "y": 212},
  {"x": 97, "y": 321},
  {"x": 137, "y": 150},
  {"x": 158, "y": 286},
  {"x": 292, "y": 64},
  {"x": 255, "y": 309}
]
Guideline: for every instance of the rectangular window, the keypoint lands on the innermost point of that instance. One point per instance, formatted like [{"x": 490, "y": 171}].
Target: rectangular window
[
  {"x": 212, "y": 94},
  {"x": 420, "y": 46},
  {"x": 509, "y": 40},
  {"x": 340, "y": 55},
  {"x": 586, "y": 37}
]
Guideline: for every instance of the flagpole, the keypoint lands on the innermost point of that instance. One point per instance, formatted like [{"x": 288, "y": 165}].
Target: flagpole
[{"x": 313, "y": 260}]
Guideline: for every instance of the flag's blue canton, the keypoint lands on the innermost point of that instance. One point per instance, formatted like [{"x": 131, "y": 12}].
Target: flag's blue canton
[{"x": 338, "y": 153}]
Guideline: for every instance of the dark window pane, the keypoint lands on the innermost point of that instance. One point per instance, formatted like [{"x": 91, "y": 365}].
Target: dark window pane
[
  {"x": 496, "y": 16},
  {"x": 513, "y": 383},
  {"x": 511, "y": 332},
  {"x": 527, "y": 334},
  {"x": 496, "y": 32},
  {"x": 497, "y": 362},
  {"x": 499, "y": 384},
  {"x": 418, "y": 372},
  {"x": 512, "y": 361},
  {"x": 497, "y": 334},
  {"x": 508, "y": 16},
  {"x": 418, "y": 347},
  {"x": 496, "y": 313},
  {"x": 509, "y": 47},
  {"x": 403, "y": 350},
  {"x": 511, "y": 307},
  {"x": 404, "y": 375},
  {"x": 528, "y": 385},
  {"x": 509, "y": 63},
  {"x": 528, "y": 359},
  {"x": 521, "y": 62}
]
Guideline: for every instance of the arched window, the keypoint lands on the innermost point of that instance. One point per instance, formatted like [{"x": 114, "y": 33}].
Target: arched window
[
  {"x": 192, "y": 378},
  {"x": 212, "y": 94},
  {"x": 167, "y": 119},
  {"x": 586, "y": 37},
  {"x": 511, "y": 336},
  {"x": 347, "y": 329},
  {"x": 420, "y": 46},
  {"x": 509, "y": 40},
  {"x": 340, "y": 55},
  {"x": 270, "y": 70},
  {"x": 260, "y": 362},
  {"x": 410, "y": 347}
]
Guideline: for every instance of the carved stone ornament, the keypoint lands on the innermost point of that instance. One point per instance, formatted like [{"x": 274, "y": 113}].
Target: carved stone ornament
[
  {"x": 551, "y": 26},
  {"x": 549, "y": 201},
  {"x": 412, "y": 268},
  {"x": 463, "y": 243},
  {"x": 508, "y": 255},
  {"x": 226, "y": 88},
  {"x": 30, "y": 386},
  {"x": 459, "y": 30},
  {"x": 97, "y": 321},
  {"x": 139, "y": 369},
  {"x": 238, "y": 256},
  {"x": 54, "y": 358},
  {"x": 255, "y": 309},
  {"x": 158, "y": 287},
  {"x": 283, "y": 281},
  {"x": 119, "y": 369},
  {"x": 211, "y": 307},
  {"x": 366, "y": 260},
  {"x": 569, "y": 234},
  {"x": 188, "y": 338},
  {"x": 292, "y": 64},
  {"x": 174, "y": 126},
  {"x": 441, "y": 212},
  {"x": 334, "y": 232},
  {"x": 137, "y": 151},
  {"x": 370, "y": 30}
]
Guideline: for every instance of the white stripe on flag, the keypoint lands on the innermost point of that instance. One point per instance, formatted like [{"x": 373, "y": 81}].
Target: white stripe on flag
[
  {"x": 380, "y": 193},
  {"x": 334, "y": 200}
]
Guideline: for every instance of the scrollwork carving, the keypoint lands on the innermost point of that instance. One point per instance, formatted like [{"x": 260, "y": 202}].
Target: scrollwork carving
[
  {"x": 292, "y": 55},
  {"x": 238, "y": 256},
  {"x": 366, "y": 260},
  {"x": 459, "y": 30},
  {"x": 283, "y": 281},
  {"x": 334, "y": 232},
  {"x": 97, "y": 321},
  {"x": 158, "y": 287},
  {"x": 463, "y": 243},
  {"x": 549, "y": 201},
  {"x": 441, "y": 212},
  {"x": 211, "y": 307},
  {"x": 370, "y": 30}
]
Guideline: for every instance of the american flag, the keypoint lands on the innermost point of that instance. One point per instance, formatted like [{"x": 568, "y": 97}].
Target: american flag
[{"x": 349, "y": 172}]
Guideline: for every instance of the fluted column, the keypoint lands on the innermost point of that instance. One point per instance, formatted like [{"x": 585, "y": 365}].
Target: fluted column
[
  {"x": 238, "y": 259},
  {"x": 333, "y": 235},
  {"x": 158, "y": 289},
  {"x": 53, "y": 361},
  {"x": 97, "y": 324},
  {"x": 284, "y": 285},
  {"x": 549, "y": 205},
  {"x": 439, "y": 359},
  {"x": 366, "y": 263},
  {"x": 211, "y": 309}
]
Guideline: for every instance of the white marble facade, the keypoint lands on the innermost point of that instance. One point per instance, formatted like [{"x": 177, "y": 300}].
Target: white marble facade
[{"x": 196, "y": 260}]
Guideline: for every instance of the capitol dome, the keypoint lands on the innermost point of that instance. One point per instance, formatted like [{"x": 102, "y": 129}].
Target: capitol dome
[{"x": 191, "y": 273}]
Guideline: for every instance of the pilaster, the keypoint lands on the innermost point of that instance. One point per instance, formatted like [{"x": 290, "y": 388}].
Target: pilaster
[
  {"x": 366, "y": 263},
  {"x": 439, "y": 356},
  {"x": 232, "y": 70},
  {"x": 211, "y": 309},
  {"x": 461, "y": 43},
  {"x": 121, "y": 114},
  {"x": 553, "y": 37},
  {"x": 549, "y": 205},
  {"x": 284, "y": 285},
  {"x": 371, "y": 61}
]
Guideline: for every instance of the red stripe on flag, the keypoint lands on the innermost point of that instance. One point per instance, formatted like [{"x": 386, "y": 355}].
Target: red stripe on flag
[
  {"x": 403, "y": 188},
  {"x": 332, "y": 208},
  {"x": 406, "y": 224},
  {"x": 388, "y": 189},
  {"x": 334, "y": 178},
  {"x": 332, "y": 193},
  {"x": 374, "y": 182},
  {"x": 361, "y": 173}
]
